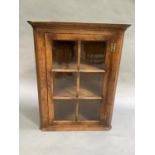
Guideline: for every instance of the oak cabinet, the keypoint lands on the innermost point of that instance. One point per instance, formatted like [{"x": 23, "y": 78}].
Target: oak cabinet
[{"x": 77, "y": 68}]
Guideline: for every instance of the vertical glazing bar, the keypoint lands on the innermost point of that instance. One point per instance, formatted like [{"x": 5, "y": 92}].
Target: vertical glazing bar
[
  {"x": 52, "y": 83},
  {"x": 105, "y": 81},
  {"x": 78, "y": 78},
  {"x": 78, "y": 65},
  {"x": 77, "y": 110}
]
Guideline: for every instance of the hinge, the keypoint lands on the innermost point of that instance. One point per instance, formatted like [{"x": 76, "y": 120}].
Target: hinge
[{"x": 113, "y": 45}]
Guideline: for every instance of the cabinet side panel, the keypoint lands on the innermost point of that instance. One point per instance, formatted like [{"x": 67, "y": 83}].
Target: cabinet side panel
[
  {"x": 105, "y": 80},
  {"x": 112, "y": 83},
  {"x": 40, "y": 56}
]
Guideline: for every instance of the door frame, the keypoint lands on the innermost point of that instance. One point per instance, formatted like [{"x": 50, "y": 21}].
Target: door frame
[{"x": 109, "y": 82}]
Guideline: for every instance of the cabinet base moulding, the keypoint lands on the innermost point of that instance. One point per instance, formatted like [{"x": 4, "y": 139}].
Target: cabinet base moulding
[{"x": 76, "y": 128}]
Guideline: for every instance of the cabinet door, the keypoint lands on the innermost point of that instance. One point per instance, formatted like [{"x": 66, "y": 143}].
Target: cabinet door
[{"x": 78, "y": 73}]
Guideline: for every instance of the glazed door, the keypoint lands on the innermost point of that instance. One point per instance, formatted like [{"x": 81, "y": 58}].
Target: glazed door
[{"x": 78, "y": 69}]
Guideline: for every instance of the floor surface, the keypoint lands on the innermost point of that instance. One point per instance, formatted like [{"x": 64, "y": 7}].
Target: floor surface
[{"x": 118, "y": 141}]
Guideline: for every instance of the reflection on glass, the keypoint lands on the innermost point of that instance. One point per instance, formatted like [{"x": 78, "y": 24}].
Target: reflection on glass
[
  {"x": 64, "y": 54},
  {"x": 93, "y": 54},
  {"x": 64, "y": 84},
  {"x": 91, "y": 84},
  {"x": 89, "y": 110},
  {"x": 64, "y": 110}
]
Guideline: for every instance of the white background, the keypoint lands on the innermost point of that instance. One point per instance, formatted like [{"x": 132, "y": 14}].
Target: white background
[{"x": 144, "y": 83}]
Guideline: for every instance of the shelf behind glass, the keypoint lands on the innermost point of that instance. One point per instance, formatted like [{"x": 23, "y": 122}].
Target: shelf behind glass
[
  {"x": 64, "y": 84},
  {"x": 91, "y": 84},
  {"x": 92, "y": 55},
  {"x": 64, "y": 55},
  {"x": 64, "y": 110},
  {"x": 89, "y": 110}
]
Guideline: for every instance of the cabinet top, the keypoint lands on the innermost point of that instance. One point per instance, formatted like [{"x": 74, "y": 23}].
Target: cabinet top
[{"x": 73, "y": 25}]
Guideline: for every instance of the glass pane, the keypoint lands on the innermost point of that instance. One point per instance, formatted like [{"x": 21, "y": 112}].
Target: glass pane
[
  {"x": 89, "y": 110},
  {"x": 64, "y": 109},
  {"x": 64, "y": 84},
  {"x": 91, "y": 84},
  {"x": 64, "y": 55},
  {"x": 93, "y": 54}
]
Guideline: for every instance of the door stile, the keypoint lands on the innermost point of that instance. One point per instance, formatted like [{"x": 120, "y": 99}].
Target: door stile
[
  {"x": 105, "y": 81},
  {"x": 48, "y": 45}
]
